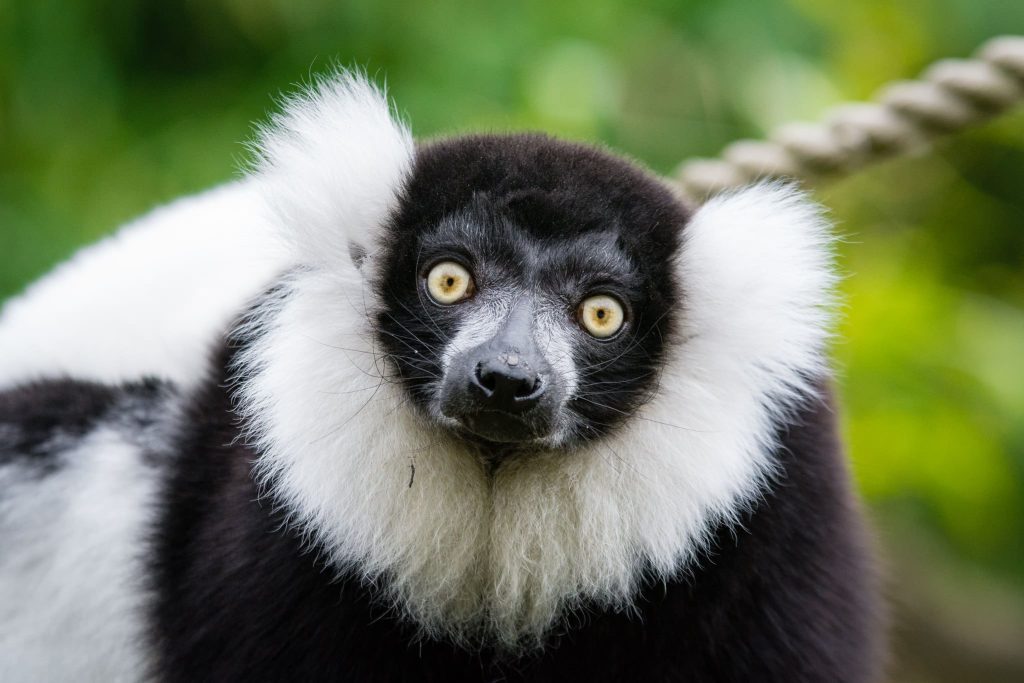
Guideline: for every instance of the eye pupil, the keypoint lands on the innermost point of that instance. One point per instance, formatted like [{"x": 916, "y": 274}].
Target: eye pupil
[
  {"x": 449, "y": 282},
  {"x": 601, "y": 315}
]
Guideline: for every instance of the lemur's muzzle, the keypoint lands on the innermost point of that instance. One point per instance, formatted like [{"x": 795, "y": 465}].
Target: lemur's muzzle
[
  {"x": 503, "y": 390},
  {"x": 506, "y": 383}
]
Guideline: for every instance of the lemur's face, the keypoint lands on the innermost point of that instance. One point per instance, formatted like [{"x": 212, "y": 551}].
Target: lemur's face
[{"x": 527, "y": 289}]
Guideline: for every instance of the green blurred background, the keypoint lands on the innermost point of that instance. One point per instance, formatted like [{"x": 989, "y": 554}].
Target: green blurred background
[{"x": 110, "y": 107}]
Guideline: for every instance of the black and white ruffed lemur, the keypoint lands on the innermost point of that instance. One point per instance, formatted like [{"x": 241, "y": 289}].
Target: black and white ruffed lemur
[{"x": 509, "y": 411}]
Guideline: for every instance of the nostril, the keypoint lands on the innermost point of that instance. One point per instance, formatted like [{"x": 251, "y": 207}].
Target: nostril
[
  {"x": 484, "y": 379},
  {"x": 503, "y": 387},
  {"x": 529, "y": 389}
]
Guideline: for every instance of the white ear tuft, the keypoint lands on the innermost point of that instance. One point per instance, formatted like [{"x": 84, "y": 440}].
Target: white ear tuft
[
  {"x": 759, "y": 281},
  {"x": 331, "y": 167}
]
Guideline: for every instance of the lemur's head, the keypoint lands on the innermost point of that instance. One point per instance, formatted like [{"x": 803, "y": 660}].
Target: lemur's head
[
  {"x": 526, "y": 288},
  {"x": 509, "y": 375}
]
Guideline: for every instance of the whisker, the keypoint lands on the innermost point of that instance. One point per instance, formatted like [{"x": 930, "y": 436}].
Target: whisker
[
  {"x": 403, "y": 340},
  {"x": 351, "y": 417},
  {"x": 633, "y": 415},
  {"x": 339, "y": 348},
  {"x": 345, "y": 393}
]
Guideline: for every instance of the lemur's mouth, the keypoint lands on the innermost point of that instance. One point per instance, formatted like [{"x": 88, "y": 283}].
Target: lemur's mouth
[{"x": 500, "y": 427}]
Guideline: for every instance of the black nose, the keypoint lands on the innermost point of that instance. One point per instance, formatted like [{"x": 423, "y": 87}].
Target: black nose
[{"x": 506, "y": 386}]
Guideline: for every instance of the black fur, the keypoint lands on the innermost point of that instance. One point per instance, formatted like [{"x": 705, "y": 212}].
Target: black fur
[{"x": 787, "y": 596}]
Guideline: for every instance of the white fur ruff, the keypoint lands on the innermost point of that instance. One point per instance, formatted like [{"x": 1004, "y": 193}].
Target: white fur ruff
[
  {"x": 500, "y": 559},
  {"x": 331, "y": 166}
]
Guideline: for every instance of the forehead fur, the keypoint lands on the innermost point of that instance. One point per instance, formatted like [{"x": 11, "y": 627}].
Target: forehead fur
[{"x": 549, "y": 187}]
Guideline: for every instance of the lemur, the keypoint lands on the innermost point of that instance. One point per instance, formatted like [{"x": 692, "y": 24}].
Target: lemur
[{"x": 502, "y": 407}]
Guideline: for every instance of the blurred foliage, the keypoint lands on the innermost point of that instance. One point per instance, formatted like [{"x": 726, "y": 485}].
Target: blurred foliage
[{"x": 109, "y": 107}]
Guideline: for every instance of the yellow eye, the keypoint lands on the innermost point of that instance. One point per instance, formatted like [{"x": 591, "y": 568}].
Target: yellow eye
[
  {"x": 449, "y": 283},
  {"x": 601, "y": 315}
]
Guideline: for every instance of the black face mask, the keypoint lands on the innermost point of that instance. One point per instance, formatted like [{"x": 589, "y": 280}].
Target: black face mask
[{"x": 539, "y": 225}]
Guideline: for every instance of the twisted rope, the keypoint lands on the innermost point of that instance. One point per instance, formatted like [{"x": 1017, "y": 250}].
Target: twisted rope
[{"x": 952, "y": 95}]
